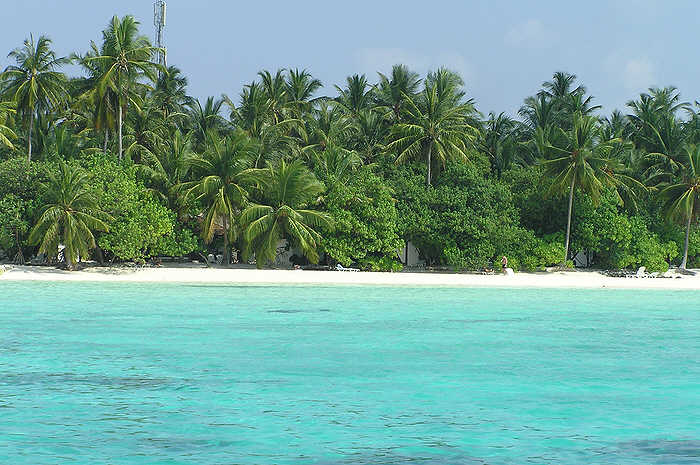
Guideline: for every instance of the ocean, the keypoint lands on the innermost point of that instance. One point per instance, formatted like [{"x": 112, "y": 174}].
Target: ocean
[{"x": 120, "y": 373}]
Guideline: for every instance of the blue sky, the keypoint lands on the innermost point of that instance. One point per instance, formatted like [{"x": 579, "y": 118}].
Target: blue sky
[{"x": 503, "y": 49}]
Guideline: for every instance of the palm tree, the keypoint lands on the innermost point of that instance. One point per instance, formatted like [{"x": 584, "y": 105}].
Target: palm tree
[
  {"x": 583, "y": 162},
  {"x": 357, "y": 96},
  {"x": 325, "y": 125},
  {"x": 275, "y": 90},
  {"x": 70, "y": 216},
  {"x": 205, "y": 119},
  {"x": 101, "y": 106},
  {"x": 369, "y": 131},
  {"x": 395, "y": 89},
  {"x": 33, "y": 83},
  {"x": 288, "y": 190},
  {"x": 224, "y": 176},
  {"x": 168, "y": 165},
  {"x": 437, "y": 125},
  {"x": 560, "y": 86},
  {"x": 125, "y": 58},
  {"x": 170, "y": 95},
  {"x": 6, "y": 132},
  {"x": 143, "y": 129},
  {"x": 253, "y": 111},
  {"x": 682, "y": 197},
  {"x": 335, "y": 161},
  {"x": 538, "y": 113},
  {"x": 300, "y": 90},
  {"x": 498, "y": 141},
  {"x": 261, "y": 114},
  {"x": 566, "y": 100},
  {"x": 655, "y": 122}
]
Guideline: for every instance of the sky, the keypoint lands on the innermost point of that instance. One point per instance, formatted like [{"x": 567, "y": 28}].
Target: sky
[{"x": 503, "y": 49}]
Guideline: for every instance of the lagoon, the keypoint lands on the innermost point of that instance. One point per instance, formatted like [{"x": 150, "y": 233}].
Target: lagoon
[{"x": 143, "y": 373}]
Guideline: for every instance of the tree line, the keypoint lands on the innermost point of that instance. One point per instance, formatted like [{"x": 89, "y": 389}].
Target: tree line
[{"x": 120, "y": 163}]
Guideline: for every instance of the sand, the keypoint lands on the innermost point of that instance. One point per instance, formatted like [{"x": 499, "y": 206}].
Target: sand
[{"x": 197, "y": 274}]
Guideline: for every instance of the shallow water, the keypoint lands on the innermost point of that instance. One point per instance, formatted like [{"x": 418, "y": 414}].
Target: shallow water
[{"x": 94, "y": 373}]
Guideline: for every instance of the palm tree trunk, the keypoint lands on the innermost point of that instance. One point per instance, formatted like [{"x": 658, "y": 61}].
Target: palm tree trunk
[
  {"x": 29, "y": 136},
  {"x": 430, "y": 149},
  {"x": 684, "y": 263},
  {"x": 568, "y": 220},
  {"x": 106, "y": 141},
  {"x": 120, "y": 133},
  {"x": 227, "y": 256},
  {"x": 67, "y": 258},
  {"x": 19, "y": 256}
]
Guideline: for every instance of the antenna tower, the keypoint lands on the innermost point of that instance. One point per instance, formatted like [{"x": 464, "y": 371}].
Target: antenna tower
[{"x": 159, "y": 23}]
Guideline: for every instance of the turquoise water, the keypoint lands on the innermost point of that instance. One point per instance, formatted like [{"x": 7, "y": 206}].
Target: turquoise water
[{"x": 185, "y": 374}]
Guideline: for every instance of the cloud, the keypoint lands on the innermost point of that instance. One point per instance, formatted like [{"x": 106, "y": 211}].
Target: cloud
[
  {"x": 372, "y": 60},
  {"x": 531, "y": 33},
  {"x": 634, "y": 73},
  {"x": 638, "y": 74}
]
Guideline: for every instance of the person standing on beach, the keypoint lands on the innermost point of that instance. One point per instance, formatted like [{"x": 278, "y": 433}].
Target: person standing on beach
[{"x": 504, "y": 263}]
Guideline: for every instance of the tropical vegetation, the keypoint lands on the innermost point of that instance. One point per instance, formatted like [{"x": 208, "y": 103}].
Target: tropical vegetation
[{"x": 119, "y": 163}]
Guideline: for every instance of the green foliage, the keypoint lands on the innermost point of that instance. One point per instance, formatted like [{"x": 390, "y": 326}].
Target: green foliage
[
  {"x": 464, "y": 221},
  {"x": 70, "y": 216},
  {"x": 14, "y": 223},
  {"x": 384, "y": 263},
  {"x": 222, "y": 179},
  {"x": 288, "y": 190},
  {"x": 142, "y": 227},
  {"x": 501, "y": 185},
  {"x": 619, "y": 240},
  {"x": 21, "y": 197},
  {"x": 33, "y": 82},
  {"x": 530, "y": 253},
  {"x": 539, "y": 212},
  {"x": 23, "y": 179},
  {"x": 145, "y": 229},
  {"x": 366, "y": 222},
  {"x": 437, "y": 125}
]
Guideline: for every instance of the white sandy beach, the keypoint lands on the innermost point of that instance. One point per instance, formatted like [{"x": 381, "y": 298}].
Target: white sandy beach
[{"x": 191, "y": 274}]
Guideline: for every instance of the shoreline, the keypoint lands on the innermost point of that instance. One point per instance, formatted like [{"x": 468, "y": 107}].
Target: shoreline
[{"x": 237, "y": 276}]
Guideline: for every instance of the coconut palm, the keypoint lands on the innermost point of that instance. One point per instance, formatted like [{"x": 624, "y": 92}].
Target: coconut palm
[
  {"x": 205, "y": 119},
  {"x": 356, "y": 96},
  {"x": 143, "y": 130},
  {"x": 221, "y": 185},
  {"x": 261, "y": 114},
  {"x": 538, "y": 113},
  {"x": 395, "y": 89},
  {"x": 300, "y": 89},
  {"x": 253, "y": 111},
  {"x": 170, "y": 94},
  {"x": 100, "y": 106},
  {"x": 583, "y": 162},
  {"x": 681, "y": 198},
  {"x": 369, "y": 131},
  {"x": 70, "y": 216},
  {"x": 324, "y": 126},
  {"x": 275, "y": 90},
  {"x": 167, "y": 165},
  {"x": 437, "y": 126},
  {"x": 34, "y": 83},
  {"x": 560, "y": 86},
  {"x": 499, "y": 141},
  {"x": 273, "y": 142},
  {"x": 335, "y": 161},
  {"x": 655, "y": 124},
  {"x": 6, "y": 132},
  {"x": 125, "y": 58},
  {"x": 289, "y": 189}
]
